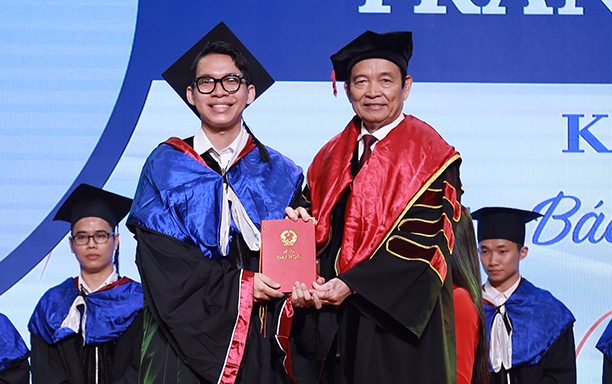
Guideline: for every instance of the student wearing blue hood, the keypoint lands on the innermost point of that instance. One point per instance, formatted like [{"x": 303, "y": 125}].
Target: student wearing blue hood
[
  {"x": 14, "y": 366},
  {"x": 531, "y": 337},
  {"x": 210, "y": 317},
  {"x": 88, "y": 329}
]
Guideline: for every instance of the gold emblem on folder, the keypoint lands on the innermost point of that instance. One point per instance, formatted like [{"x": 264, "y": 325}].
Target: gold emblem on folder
[{"x": 288, "y": 237}]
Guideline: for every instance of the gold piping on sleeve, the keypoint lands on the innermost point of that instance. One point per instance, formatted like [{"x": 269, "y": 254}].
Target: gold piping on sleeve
[
  {"x": 415, "y": 258},
  {"x": 415, "y": 198}
]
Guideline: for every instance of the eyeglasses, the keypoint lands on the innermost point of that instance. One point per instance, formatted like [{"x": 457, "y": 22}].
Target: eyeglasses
[
  {"x": 230, "y": 83},
  {"x": 99, "y": 238}
]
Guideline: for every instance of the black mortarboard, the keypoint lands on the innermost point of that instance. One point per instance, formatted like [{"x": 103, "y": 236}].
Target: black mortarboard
[
  {"x": 88, "y": 201},
  {"x": 393, "y": 46},
  {"x": 179, "y": 74},
  {"x": 503, "y": 223}
]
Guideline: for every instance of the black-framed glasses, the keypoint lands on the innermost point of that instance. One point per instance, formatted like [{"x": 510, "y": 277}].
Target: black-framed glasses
[
  {"x": 230, "y": 83},
  {"x": 99, "y": 238}
]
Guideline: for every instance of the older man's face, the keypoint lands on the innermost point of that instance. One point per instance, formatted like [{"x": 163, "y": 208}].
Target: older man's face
[{"x": 376, "y": 92}]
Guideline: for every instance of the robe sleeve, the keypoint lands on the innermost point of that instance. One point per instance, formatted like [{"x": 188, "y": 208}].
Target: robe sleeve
[
  {"x": 127, "y": 355},
  {"x": 202, "y": 306},
  {"x": 48, "y": 365},
  {"x": 406, "y": 275},
  {"x": 607, "y": 370},
  {"x": 16, "y": 373},
  {"x": 559, "y": 363}
]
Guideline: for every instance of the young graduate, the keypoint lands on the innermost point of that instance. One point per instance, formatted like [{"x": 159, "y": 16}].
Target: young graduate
[
  {"x": 209, "y": 316},
  {"x": 605, "y": 346},
  {"x": 14, "y": 366},
  {"x": 470, "y": 324},
  {"x": 88, "y": 329},
  {"x": 531, "y": 332}
]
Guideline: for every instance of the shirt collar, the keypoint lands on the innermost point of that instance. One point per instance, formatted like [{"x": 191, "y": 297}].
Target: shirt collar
[
  {"x": 381, "y": 132},
  {"x": 113, "y": 277},
  {"x": 225, "y": 157},
  {"x": 498, "y": 298}
]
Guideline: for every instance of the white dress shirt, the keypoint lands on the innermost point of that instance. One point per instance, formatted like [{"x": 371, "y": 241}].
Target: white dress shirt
[
  {"x": 379, "y": 134},
  {"x": 226, "y": 156},
  {"x": 500, "y": 347}
]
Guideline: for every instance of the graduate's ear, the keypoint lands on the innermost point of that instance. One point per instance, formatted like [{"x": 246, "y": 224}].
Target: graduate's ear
[
  {"x": 190, "y": 95},
  {"x": 71, "y": 242},
  {"x": 523, "y": 252},
  {"x": 251, "y": 93},
  {"x": 116, "y": 238}
]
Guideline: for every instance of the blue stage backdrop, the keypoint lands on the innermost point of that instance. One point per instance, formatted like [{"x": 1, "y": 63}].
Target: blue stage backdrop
[{"x": 522, "y": 89}]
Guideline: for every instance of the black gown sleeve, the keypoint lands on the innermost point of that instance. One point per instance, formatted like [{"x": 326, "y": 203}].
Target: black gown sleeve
[
  {"x": 126, "y": 362},
  {"x": 557, "y": 366},
  {"x": 16, "y": 373},
  {"x": 410, "y": 271},
  {"x": 54, "y": 363},
  {"x": 193, "y": 299},
  {"x": 607, "y": 370},
  {"x": 559, "y": 363}
]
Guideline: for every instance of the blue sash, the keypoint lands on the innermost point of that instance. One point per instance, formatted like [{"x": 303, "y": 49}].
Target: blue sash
[
  {"x": 109, "y": 312},
  {"x": 538, "y": 319}
]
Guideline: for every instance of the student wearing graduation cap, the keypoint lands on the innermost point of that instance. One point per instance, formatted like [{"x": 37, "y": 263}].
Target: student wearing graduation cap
[
  {"x": 605, "y": 346},
  {"x": 14, "y": 365},
  {"x": 385, "y": 192},
  {"x": 209, "y": 316},
  {"x": 531, "y": 332},
  {"x": 88, "y": 329}
]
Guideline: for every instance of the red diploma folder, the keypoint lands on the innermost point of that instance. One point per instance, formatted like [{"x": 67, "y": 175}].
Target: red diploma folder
[{"x": 288, "y": 252}]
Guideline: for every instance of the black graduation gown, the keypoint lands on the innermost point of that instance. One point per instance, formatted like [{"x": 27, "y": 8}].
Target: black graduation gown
[
  {"x": 16, "y": 373},
  {"x": 69, "y": 362},
  {"x": 360, "y": 342},
  {"x": 607, "y": 370},
  {"x": 557, "y": 366},
  {"x": 182, "y": 285}
]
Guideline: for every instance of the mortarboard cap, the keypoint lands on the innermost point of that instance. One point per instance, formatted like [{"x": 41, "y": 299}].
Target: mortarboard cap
[
  {"x": 88, "y": 201},
  {"x": 503, "y": 223},
  {"x": 179, "y": 74},
  {"x": 393, "y": 46}
]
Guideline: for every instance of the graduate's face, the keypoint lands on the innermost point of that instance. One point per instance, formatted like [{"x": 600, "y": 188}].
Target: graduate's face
[
  {"x": 220, "y": 110},
  {"x": 377, "y": 91},
  {"x": 500, "y": 259},
  {"x": 94, "y": 257}
]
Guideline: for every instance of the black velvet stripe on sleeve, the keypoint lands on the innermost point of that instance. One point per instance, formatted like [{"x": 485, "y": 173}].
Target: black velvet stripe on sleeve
[{"x": 405, "y": 276}]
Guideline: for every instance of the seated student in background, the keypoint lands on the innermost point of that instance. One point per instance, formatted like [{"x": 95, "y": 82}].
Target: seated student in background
[
  {"x": 88, "y": 329},
  {"x": 470, "y": 328},
  {"x": 14, "y": 366},
  {"x": 531, "y": 332},
  {"x": 605, "y": 346}
]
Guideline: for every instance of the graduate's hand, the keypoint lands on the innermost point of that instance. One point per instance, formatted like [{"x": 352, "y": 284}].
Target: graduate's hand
[
  {"x": 265, "y": 289},
  {"x": 302, "y": 297},
  {"x": 299, "y": 212},
  {"x": 333, "y": 292}
]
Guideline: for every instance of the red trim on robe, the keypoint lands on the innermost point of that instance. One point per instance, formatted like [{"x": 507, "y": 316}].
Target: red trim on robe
[
  {"x": 121, "y": 281},
  {"x": 282, "y": 335},
  {"x": 401, "y": 165},
  {"x": 241, "y": 332},
  {"x": 182, "y": 146},
  {"x": 438, "y": 262},
  {"x": 451, "y": 194}
]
